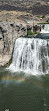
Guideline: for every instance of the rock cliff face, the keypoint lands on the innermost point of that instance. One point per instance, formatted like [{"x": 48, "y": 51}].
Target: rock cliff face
[
  {"x": 9, "y": 32},
  {"x": 34, "y": 7}
]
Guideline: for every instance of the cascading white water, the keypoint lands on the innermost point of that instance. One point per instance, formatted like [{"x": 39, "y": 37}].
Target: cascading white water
[
  {"x": 44, "y": 28},
  {"x": 31, "y": 55}
]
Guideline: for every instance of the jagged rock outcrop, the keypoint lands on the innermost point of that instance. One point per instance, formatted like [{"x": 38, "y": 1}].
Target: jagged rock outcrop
[{"x": 9, "y": 31}]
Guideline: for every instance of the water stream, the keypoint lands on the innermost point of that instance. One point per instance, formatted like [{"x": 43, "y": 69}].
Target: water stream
[{"x": 31, "y": 55}]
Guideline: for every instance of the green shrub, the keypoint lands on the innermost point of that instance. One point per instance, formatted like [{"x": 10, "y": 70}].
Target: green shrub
[
  {"x": 29, "y": 32},
  {"x": 7, "y": 64},
  {"x": 43, "y": 16}
]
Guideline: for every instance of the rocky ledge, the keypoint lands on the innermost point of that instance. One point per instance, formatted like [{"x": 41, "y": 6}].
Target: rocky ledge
[{"x": 9, "y": 32}]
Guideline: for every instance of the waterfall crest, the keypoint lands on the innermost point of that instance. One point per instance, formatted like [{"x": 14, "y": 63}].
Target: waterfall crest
[
  {"x": 44, "y": 28},
  {"x": 31, "y": 55}
]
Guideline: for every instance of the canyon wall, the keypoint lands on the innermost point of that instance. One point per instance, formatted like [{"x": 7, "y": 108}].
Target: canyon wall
[{"x": 9, "y": 32}]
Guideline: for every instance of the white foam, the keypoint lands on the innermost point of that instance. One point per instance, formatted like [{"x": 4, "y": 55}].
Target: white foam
[
  {"x": 30, "y": 55},
  {"x": 45, "y": 29}
]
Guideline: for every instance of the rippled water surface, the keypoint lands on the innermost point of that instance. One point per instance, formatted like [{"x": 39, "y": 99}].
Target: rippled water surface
[{"x": 19, "y": 92}]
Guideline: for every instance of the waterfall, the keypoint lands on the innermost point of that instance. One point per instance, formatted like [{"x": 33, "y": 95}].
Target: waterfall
[
  {"x": 31, "y": 55},
  {"x": 44, "y": 28}
]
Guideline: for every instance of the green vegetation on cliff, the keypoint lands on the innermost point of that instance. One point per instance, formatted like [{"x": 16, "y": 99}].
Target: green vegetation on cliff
[
  {"x": 29, "y": 33},
  {"x": 7, "y": 64}
]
